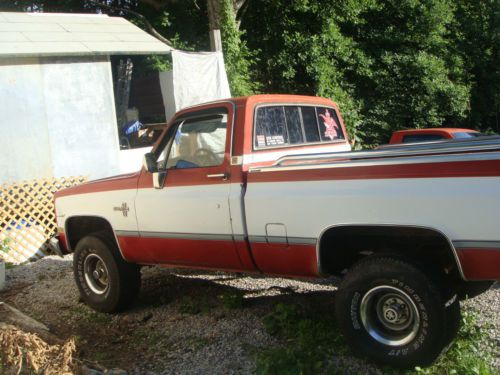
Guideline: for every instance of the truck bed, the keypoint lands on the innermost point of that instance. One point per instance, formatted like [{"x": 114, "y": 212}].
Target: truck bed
[{"x": 401, "y": 152}]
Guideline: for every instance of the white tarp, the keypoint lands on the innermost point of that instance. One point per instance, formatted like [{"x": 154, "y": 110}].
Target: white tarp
[{"x": 196, "y": 78}]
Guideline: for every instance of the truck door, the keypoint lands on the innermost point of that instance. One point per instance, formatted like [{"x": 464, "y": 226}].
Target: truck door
[{"x": 185, "y": 219}]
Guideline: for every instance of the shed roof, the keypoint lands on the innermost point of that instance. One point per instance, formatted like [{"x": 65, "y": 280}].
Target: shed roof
[{"x": 60, "y": 34}]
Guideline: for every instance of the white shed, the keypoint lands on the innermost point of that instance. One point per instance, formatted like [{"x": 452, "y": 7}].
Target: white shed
[{"x": 57, "y": 109}]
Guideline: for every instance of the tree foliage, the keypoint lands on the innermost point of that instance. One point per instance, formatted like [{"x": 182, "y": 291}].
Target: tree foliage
[
  {"x": 390, "y": 64},
  {"x": 238, "y": 58}
]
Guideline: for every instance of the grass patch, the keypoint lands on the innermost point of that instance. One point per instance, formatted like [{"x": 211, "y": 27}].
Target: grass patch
[
  {"x": 311, "y": 340},
  {"x": 163, "y": 300},
  {"x": 471, "y": 353},
  {"x": 4, "y": 250},
  {"x": 189, "y": 305},
  {"x": 196, "y": 343},
  {"x": 89, "y": 315},
  {"x": 233, "y": 300},
  {"x": 147, "y": 337}
]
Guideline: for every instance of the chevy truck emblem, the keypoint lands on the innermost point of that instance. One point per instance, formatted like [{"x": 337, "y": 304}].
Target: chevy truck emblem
[{"x": 124, "y": 209}]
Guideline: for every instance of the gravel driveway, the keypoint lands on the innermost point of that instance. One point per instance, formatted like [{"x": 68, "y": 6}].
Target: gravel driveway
[{"x": 180, "y": 324}]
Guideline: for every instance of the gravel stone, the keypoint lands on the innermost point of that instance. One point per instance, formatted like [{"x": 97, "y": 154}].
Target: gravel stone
[{"x": 167, "y": 340}]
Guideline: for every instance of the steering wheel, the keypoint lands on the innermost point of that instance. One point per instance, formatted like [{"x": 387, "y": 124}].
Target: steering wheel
[{"x": 205, "y": 157}]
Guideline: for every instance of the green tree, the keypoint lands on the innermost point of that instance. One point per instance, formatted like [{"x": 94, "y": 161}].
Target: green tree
[
  {"x": 303, "y": 50},
  {"x": 387, "y": 63},
  {"x": 390, "y": 64},
  {"x": 416, "y": 80},
  {"x": 237, "y": 57},
  {"x": 476, "y": 35}
]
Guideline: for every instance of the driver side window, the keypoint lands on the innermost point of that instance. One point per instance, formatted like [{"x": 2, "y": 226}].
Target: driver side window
[{"x": 198, "y": 143}]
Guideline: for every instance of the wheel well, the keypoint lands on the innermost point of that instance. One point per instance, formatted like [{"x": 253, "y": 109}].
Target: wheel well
[
  {"x": 80, "y": 226},
  {"x": 341, "y": 247}
]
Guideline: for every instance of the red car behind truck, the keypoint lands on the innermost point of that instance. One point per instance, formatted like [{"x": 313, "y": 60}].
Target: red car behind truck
[
  {"x": 431, "y": 135},
  {"x": 266, "y": 184}
]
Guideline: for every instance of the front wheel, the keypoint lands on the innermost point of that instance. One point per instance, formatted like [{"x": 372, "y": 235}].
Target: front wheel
[
  {"x": 105, "y": 280},
  {"x": 394, "y": 313}
]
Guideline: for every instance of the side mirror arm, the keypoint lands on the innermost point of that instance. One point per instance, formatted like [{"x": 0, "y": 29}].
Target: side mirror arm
[
  {"x": 149, "y": 162},
  {"x": 159, "y": 179}
]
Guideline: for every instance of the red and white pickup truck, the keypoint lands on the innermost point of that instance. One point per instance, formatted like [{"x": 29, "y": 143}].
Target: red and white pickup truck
[{"x": 267, "y": 184}]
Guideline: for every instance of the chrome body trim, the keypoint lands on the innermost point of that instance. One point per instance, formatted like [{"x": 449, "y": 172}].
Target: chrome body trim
[
  {"x": 188, "y": 236},
  {"x": 127, "y": 233},
  {"x": 277, "y": 240},
  {"x": 453, "y": 150},
  {"x": 239, "y": 237},
  {"x": 457, "y": 145},
  {"x": 219, "y": 237},
  {"x": 477, "y": 244},
  {"x": 222, "y": 176},
  {"x": 284, "y": 240},
  {"x": 450, "y": 243},
  {"x": 302, "y": 240},
  {"x": 257, "y": 239},
  {"x": 440, "y": 158}
]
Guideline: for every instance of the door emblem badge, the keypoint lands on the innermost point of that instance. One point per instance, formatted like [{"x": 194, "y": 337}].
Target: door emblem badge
[{"x": 123, "y": 208}]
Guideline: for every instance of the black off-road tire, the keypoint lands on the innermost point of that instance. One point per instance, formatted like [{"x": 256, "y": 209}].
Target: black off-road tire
[
  {"x": 119, "y": 281},
  {"x": 452, "y": 309},
  {"x": 377, "y": 290}
]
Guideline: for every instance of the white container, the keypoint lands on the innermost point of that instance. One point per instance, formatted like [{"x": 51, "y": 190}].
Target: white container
[{"x": 2, "y": 275}]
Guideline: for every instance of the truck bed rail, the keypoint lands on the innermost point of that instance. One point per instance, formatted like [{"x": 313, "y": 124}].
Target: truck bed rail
[{"x": 487, "y": 144}]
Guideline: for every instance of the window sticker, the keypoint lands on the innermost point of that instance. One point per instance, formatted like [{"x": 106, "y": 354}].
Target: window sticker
[
  {"x": 331, "y": 127},
  {"x": 275, "y": 140},
  {"x": 261, "y": 141}
]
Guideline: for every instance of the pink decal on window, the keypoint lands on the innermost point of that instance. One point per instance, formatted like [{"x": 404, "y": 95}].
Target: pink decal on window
[{"x": 331, "y": 126}]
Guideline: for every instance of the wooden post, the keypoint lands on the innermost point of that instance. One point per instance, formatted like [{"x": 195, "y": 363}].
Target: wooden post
[
  {"x": 215, "y": 40},
  {"x": 213, "y": 7}
]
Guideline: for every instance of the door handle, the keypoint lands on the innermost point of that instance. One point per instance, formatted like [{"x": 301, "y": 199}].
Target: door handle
[{"x": 222, "y": 176}]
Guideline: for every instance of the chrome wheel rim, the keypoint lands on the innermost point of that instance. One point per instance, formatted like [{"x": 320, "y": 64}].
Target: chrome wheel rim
[
  {"x": 389, "y": 315},
  {"x": 96, "y": 274}
]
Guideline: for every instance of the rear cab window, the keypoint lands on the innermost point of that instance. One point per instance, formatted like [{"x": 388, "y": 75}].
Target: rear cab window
[
  {"x": 277, "y": 126},
  {"x": 413, "y": 138},
  {"x": 462, "y": 135}
]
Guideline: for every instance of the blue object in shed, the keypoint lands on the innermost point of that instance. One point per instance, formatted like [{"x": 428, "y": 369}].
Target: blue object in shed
[{"x": 131, "y": 127}]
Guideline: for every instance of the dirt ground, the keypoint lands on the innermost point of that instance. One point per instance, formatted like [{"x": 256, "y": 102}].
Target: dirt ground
[{"x": 184, "y": 322}]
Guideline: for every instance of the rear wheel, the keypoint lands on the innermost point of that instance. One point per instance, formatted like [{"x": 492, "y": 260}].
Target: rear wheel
[
  {"x": 105, "y": 280},
  {"x": 391, "y": 311}
]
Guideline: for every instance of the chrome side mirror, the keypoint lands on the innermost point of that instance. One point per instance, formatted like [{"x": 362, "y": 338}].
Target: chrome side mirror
[
  {"x": 149, "y": 162},
  {"x": 159, "y": 179}
]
